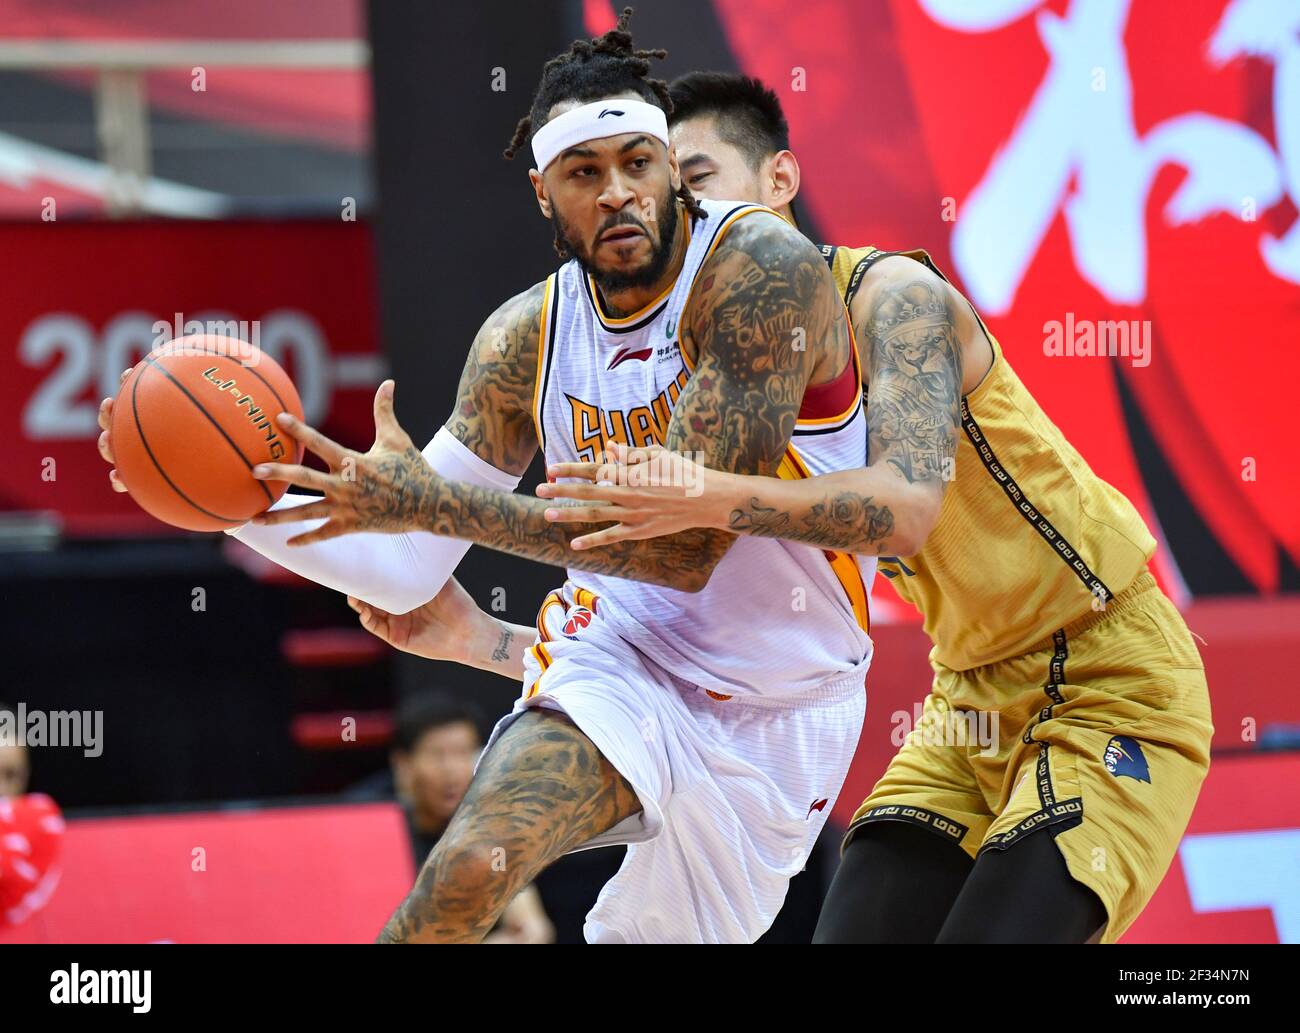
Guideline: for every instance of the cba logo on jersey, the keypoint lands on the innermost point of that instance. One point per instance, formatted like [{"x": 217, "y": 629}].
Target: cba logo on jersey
[
  {"x": 577, "y": 619},
  {"x": 1125, "y": 757}
]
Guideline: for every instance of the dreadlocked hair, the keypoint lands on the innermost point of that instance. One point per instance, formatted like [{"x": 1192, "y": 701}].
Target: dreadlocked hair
[{"x": 591, "y": 70}]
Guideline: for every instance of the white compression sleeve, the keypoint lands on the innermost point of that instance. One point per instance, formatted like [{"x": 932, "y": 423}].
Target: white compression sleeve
[{"x": 396, "y": 572}]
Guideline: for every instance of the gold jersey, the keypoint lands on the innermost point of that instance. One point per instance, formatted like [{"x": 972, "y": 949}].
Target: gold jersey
[{"x": 1028, "y": 539}]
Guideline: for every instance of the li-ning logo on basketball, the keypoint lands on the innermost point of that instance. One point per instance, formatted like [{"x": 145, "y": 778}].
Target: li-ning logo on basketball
[
  {"x": 611, "y": 111},
  {"x": 256, "y": 416}
]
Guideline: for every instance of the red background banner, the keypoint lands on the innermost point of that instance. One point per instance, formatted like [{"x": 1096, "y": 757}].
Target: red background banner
[
  {"x": 79, "y": 306},
  {"x": 297, "y": 875}
]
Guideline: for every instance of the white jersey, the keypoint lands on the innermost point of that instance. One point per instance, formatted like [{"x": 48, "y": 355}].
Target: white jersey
[{"x": 776, "y": 618}]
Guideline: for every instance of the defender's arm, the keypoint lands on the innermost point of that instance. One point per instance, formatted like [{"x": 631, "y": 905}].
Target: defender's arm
[{"x": 908, "y": 332}]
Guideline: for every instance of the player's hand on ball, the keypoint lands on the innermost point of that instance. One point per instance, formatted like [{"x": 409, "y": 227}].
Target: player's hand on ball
[
  {"x": 647, "y": 492},
  {"x": 105, "y": 441},
  {"x": 380, "y": 490}
]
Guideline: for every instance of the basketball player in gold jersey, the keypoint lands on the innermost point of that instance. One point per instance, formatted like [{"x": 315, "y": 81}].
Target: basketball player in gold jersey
[{"x": 1030, "y": 573}]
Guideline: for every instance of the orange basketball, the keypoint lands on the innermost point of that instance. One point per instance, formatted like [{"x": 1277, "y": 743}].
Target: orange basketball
[{"x": 190, "y": 423}]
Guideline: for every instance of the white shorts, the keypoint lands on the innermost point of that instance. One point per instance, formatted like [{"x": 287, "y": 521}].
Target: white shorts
[{"x": 734, "y": 791}]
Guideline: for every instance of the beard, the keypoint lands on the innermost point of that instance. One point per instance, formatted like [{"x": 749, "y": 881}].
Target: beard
[{"x": 612, "y": 281}]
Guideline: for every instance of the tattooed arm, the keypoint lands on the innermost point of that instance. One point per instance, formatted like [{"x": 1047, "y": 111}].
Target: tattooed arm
[
  {"x": 493, "y": 413},
  {"x": 736, "y": 412},
  {"x": 905, "y": 323},
  {"x": 907, "y": 327},
  {"x": 757, "y": 300},
  {"x": 762, "y": 283},
  {"x": 391, "y": 488}
]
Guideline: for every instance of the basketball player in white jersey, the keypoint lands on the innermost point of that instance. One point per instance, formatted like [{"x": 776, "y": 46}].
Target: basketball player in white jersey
[{"x": 696, "y": 696}]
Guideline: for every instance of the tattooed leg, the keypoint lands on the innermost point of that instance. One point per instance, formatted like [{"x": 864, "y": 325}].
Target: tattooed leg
[{"x": 542, "y": 790}]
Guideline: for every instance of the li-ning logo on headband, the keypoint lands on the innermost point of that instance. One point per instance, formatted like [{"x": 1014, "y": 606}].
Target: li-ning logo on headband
[{"x": 589, "y": 123}]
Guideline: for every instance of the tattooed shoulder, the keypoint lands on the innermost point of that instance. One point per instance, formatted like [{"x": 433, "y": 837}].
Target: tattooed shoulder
[
  {"x": 907, "y": 329},
  {"x": 493, "y": 411},
  {"x": 762, "y": 312}
]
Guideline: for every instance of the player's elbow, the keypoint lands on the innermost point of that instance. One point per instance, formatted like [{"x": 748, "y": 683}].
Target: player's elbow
[
  {"x": 915, "y": 518},
  {"x": 693, "y": 581},
  {"x": 697, "y": 559}
]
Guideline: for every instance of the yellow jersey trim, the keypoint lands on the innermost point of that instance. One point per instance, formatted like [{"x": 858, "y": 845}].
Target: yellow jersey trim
[{"x": 541, "y": 357}]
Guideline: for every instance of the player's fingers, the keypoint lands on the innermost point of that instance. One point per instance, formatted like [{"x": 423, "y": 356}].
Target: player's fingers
[
  {"x": 321, "y": 510},
  {"x": 376, "y": 627},
  {"x": 372, "y": 622},
  {"x": 116, "y": 484},
  {"x": 122, "y": 379},
  {"x": 643, "y": 454},
  {"x": 371, "y": 616},
  {"x": 628, "y": 456},
  {"x": 583, "y": 514},
  {"x": 328, "y": 530},
  {"x": 387, "y": 430},
  {"x": 384, "y": 402},
  {"x": 331, "y": 451},
  {"x": 582, "y": 490},
  {"x": 586, "y": 471},
  {"x": 610, "y": 535},
  {"x": 105, "y": 414},
  {"x": 105, "y": 452},
  {"x": 550, "y": 490},
  {"x": 303, "y": 476}
]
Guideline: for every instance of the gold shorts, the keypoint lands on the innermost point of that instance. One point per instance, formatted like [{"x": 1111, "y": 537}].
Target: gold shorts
[{"x": 1101, "y": 735}]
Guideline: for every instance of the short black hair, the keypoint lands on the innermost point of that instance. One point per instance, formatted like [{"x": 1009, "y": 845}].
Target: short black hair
[
  {"x": 422, "y": 712},
  {"x": 748, "y": 114}
]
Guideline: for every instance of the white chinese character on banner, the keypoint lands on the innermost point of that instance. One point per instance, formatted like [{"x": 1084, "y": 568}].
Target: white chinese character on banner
[{"x": 1079, "y": 130}]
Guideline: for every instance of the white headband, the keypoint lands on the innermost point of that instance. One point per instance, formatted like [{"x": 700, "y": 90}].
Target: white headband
[{"x": 595, "y": 121}]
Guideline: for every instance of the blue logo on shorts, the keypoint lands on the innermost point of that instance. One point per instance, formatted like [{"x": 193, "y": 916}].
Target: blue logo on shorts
[{"x": 1125, "y": 757}]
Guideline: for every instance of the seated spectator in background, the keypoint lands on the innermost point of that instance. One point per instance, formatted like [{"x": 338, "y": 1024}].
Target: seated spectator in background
[
  {"x": 436, "y": 741},
  {"x": 31, "y": 831},
  {"x": 14, "y": 769}
]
